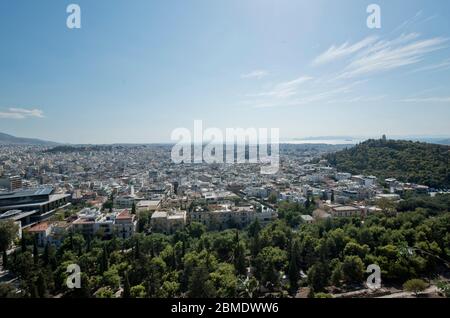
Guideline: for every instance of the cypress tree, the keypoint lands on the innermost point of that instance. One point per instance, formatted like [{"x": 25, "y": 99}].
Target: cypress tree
[
  {"x": 41, "y": 286},
  {"x": 88, "y": 243},
  {"x": 35, "y": 251},
  {"x": 5, "y": 260},
  {"x": 71, "y": 240},
  {"x": 104, "y": 261},
  {"x": 137, "y": 250},
  {"x": 126, "y": 286},
  {"x": 293, "y": 271},
  {"x": 45, "y": 256},
  {"x": 239, "y": 259},
  {"x": 307, "y": 203},
  {"x": 23, "y": 244},
  {"x": 34, "y": 293}
]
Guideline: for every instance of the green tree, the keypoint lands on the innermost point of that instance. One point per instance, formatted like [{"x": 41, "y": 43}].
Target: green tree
[
  {"x": 8, "y": 231},
  {"x": 272, "y": 198},
  {"x": 169, "y": 289},
  {"x": 248, "y": 287},
  {"x": 240, "y": 263},
  {"x": 254, "y": 228},
  {"x": 336, "y": 274},
  {"x": 5, "y": 259},
  {"x": 33, "y": 290},
  {"x": 137, "y": 291},
  {"x": 268, "y": 263},
  {"x": 156, "y": 269},
  {"x": 353, "y": 248},
  {"x": 318, "y": 276},
  {"x": 196, "y": 229},
  {"x": 353, "y": 269},
  {"x": 293, "y": 270},
  {"x": 104, "y": 292},
  {"x": 35, "y": 251},
  {"x": 46, "y": 254},
  {"x": 42, "y": 285},
  {"x": 200, "y": 286},
  {"x": 111, "y": 278},
  {"x": 8, "y": 291},
  {"x": 104, "y": 262},
  {"x": 126, "y": 286},
  {"x": 224, "y": 281},
  {"x": 415, "y": 286},
  {"x": 444, "y": 287},
  {"x": 23, "y": 244}
]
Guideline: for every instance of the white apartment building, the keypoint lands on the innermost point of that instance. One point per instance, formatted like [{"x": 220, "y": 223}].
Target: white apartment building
[
  {"x": 345, "y": 211},
  {"x": 92, "y": 222},
  {"x": 168, "y": 221},
  {"x": 342, "y": 176},
  {"x": 125, "y": 224},
  {"x": 148, "y": 205},
  {"x": 224, "y": 216}
]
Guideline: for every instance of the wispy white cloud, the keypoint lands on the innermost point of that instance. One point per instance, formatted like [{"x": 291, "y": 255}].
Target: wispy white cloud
[
  {"x": 414, "y": 21},
  {"x": 408, "y": 22},
  {"x": 362, "y": 60},
  {"x": 338, "y": 52},
  {"x": 427, "y": 100},
  {"x": 388, "y": 55},
  {"x": 9, "y": 115},
  {"x": 314, "y": 93},
  {"x": 358, "y": 99},
  {"x": 434, "y": 67},
  {"x": 21, "y": 113},
  {"x": 284, "y": 89},
  {"x": 257, "y": 74}
]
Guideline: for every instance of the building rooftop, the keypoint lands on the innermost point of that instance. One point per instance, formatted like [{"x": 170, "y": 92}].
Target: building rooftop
[
  {"x": 125, "y": 214},
  {"x": 307, "y": 217},
  {"x": 345, "y": 208},
  {"x": 26, "y": 192},
  {"x": 144, "y": 203},
  {"x": 40, "y": 227},
  {"x": 159, "y": 214}
]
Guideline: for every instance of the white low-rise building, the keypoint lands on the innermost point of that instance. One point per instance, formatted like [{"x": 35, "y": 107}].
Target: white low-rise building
[
  {"x": 92, "y": 222},
  {"x": 225, "y": 216},
  {"x": 125, "y": 224},
  {"x": 148, "y": 205},
  {"x": 168, "y": 221},
  {"x": 307, "y": 218}
]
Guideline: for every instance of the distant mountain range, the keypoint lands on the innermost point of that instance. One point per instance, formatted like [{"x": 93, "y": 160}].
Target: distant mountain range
[{"x": 6, "y": 139}]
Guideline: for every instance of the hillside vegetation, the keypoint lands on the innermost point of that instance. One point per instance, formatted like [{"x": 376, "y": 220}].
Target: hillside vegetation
[{"x": 406, "y": 161}]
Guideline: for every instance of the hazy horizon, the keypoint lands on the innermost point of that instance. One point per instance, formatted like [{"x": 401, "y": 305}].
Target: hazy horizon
[{"x": 331, "y": 140}]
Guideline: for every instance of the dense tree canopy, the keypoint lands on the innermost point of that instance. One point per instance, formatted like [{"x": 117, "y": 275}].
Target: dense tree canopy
[
  {"x": 406, "y": 161},
  {"x": 413, "y": 243}
]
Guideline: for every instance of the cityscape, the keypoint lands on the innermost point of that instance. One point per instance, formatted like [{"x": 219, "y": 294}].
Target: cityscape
[
  {"x": 109, "y": 208},
  {"x": 325, "y": 172}
]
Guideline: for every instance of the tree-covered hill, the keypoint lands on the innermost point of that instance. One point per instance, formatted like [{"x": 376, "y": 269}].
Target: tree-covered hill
[{"x": 406, "y": 161}]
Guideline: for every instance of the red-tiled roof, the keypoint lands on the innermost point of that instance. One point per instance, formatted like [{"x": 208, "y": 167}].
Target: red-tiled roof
[
  {"x": 124, "y": 215},
  {"x": 40, "y": 227}
]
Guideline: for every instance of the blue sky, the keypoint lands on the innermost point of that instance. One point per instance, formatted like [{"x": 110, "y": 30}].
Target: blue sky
[{"x": 138, "y": 69}]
